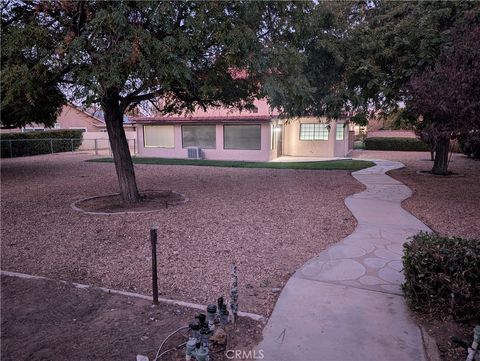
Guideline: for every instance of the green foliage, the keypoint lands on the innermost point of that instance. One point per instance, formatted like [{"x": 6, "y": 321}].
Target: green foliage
[
  {"x": 28, "y": 87},
  {"x": 34, "y": 143},
  {"x": 385, "y": 47},
  {"x": 327, "y": 165},
  {"x": 442, "y": 275},
  {"x": 470, "y": 145},
  {"x": 397, "y": 144}
]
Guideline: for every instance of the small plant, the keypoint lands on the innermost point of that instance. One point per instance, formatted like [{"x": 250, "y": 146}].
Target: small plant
[{"x": 442, "y": 274}]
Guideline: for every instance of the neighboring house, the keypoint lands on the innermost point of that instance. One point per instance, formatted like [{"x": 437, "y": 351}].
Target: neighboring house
[
  {"x": 223, "y": 134},
  {"x": 73, "y": 117}
]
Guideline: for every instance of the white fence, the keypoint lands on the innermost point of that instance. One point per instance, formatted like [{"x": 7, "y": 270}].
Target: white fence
[{"x": 99, "y": 144}]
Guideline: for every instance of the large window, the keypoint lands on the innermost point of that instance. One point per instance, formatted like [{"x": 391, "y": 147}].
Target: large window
[
  {"x": 246, "y": 137},
  {"x": 202, "y": 136},
  {"x": 340, "y": 132},
  {"x": 313, "y": 131},
  {"x": 160, "y": 136}
]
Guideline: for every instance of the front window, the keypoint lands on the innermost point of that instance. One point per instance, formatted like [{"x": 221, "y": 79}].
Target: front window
[
  {"x": 158, "y": 136},
  {"x": 203, "y": 136},
  {"x": 244, "y": 137},
  {"x": 340, "y": 132},
  {"x": 313, "y": 131}
]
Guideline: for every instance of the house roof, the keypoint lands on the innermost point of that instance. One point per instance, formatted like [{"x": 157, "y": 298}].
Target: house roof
[{"x": 202, "y": 119}]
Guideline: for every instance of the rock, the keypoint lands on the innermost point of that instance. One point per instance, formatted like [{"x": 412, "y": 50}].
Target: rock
[
  {"x": 219, "y": 336},
  {"x": 276, "y": 290},
  {"x": 144, "y": 338}
]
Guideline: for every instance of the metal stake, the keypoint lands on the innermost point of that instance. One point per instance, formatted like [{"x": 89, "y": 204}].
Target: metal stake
[{"x": 153, "y": 239}]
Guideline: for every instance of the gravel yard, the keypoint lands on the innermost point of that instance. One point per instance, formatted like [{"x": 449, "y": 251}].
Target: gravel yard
[
  {"x": 448, "y": 205},
  {"x": 46, "y": 320},
  {"x": 268, "y": 221}
]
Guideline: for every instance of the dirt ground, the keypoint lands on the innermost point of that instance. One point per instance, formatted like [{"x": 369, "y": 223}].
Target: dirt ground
[
  {"x": 268, "y": 221},
  {"x": 450, "y": 206},
  {"x": 46, "y": 320}
]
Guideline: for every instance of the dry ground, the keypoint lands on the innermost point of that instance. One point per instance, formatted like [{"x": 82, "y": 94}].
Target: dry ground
[
  {"x": 45, "y": 320},
  {"x": 269, "y": 222},
  {"x": 449, "y": 206}
]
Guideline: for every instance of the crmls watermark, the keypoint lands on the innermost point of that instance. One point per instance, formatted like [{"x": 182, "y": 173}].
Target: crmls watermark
[{"x": 244, "y": 355}]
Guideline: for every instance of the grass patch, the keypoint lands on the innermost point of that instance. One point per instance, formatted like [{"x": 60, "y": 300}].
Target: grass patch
[{"x": 327, "y": 165}]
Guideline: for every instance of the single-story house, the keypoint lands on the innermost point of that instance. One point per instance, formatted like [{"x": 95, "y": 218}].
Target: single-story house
[
  {"x": 73, "y": 117},
  {"x": 258, "y": 135}
]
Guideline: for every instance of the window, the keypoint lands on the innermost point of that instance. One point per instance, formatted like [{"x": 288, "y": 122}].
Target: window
[
  {"x": 313, "y": 131},
  {"x": 273, "y": 136},
  {"x": 246, "y": 137},
  {"x": 159, "y": 136},
  {"x": 340, "y": 132},
  {"x": 203, "y": 136}
]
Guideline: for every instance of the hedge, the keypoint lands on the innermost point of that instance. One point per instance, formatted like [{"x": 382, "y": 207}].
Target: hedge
[
  {"x": 34, "y": 143},
  {"x": 470, "y": 146},
  {"x": 398, "y": 144},
  {"x": 442, "y": 275}
]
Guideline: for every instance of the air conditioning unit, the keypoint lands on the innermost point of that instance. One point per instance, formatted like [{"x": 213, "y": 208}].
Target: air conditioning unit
[{"x": 194, "y": 153}]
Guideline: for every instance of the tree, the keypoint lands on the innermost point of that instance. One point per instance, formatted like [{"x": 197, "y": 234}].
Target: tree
[
  {"x": 447, "y": 96},
  {"x": 29, "y": 89},
  {"x": 120, "y": 54},
  {"x": 386, "y": 50}
]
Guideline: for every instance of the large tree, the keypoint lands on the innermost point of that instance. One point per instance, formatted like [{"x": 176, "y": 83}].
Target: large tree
[
  {"x": 446, "y": 97},
  {"x": 387, "y": 43},
  {"x": 120, "y": 54}
]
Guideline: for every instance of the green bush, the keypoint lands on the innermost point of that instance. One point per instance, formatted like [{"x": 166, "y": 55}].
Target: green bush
[
  {"x": 34, "y": 143},
  {"x": 442, "y": 274},
  {"x": 398, "y": 144},
  {"x": 470, "y": 146}
]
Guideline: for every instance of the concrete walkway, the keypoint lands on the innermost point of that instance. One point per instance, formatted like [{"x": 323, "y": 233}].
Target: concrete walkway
[{"x": 347, "y": 304}]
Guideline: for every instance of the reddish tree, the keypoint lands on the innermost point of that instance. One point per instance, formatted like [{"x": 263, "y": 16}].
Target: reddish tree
[{"x": 447, "y": 96}]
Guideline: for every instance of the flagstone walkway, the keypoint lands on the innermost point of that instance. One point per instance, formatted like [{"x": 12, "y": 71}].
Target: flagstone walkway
[{"x": 347, "y": 303}]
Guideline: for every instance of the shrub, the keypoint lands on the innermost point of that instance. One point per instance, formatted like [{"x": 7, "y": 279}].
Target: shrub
[
  {"x": 33, "y": 143},
  {"x": 442, "y": 274},
  {"x": 398, "y": 144},
  {"x": 470, "y": 146}
]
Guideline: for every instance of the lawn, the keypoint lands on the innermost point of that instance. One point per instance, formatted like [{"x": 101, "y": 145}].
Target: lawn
[{"x": 324, "y": 165}]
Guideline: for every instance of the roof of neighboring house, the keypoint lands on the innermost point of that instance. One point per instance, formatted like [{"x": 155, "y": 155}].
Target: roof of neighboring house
[{"x": 202, "y": 119}]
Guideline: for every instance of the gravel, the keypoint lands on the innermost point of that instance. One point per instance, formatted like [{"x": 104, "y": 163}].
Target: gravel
[
  {"x": 268, "y": 221},
  {"x": 448, "y": 205}
]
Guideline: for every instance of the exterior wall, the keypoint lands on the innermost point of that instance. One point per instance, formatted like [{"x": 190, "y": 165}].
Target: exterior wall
[
  {"x": 264, "y": 154},
  {"x": 293, "y": 146},
  {"x": 73, "y": 118},
  {"x": 69, "y": 118}
]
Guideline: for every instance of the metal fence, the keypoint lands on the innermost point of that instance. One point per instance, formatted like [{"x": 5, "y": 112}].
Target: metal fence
[{"x": 11, "y": 148}]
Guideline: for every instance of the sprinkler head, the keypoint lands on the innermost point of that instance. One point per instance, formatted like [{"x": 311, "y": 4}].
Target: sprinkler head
[
  {"x": 211, "y": 309},
  {"x": 201, "y": 318}
]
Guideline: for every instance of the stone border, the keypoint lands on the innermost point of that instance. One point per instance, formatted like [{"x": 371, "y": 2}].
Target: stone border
[
  {"x": 75, "y": 206},
  {"x": 196, "y": 306},
  {"x": 427, "y": 173}
]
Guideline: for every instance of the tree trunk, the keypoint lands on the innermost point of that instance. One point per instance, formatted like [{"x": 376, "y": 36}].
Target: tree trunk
[
  {"x": 120, "y": 151},
  {"x": 440, "y": 164}
]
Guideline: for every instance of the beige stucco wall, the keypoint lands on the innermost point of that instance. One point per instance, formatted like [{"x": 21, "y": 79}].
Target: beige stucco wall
[
  {"x": 264, "y": 154},
  {"x": 71, "y": 117},
  {"x": 293, "y": 146}
]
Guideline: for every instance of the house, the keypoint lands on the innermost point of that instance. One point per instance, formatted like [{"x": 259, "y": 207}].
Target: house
[
  {"x": 223, "y": 134},
  {"x": 73, "y": 117}
]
